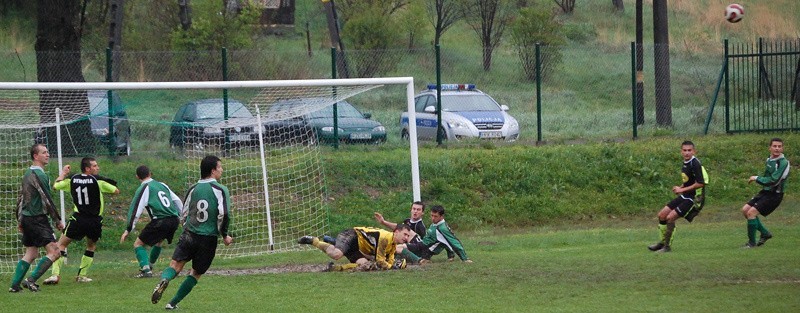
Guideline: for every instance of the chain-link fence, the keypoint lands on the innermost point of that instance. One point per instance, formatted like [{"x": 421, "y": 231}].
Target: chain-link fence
[{"x": 586, "y": 94}]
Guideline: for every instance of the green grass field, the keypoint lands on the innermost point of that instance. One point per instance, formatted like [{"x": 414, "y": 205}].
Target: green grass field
[{"x": 602, "y": 266}]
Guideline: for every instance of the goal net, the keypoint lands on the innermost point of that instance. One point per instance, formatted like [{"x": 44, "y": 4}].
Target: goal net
[{"x": 270, "y": 153}]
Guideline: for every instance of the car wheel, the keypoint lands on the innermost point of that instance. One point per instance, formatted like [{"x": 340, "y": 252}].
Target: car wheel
[
  {"x": 198, "y": 146},
  {"x": 127, "y": 149},
  {"x": 442, "y": 134},
  {"x": 312, "y": 139}
]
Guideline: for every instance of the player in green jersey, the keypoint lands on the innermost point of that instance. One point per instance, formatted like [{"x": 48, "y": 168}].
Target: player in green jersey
[
  {"x": 33, "y": 208},
  {"x": 418, "y": 226},
  {"x": 438, "y": 237},
  {"x": 164, "y": 207},
  {"x": 206, "y": 214},
  {"x": 770, "y": 196},
  {"x": 87, "y": 219}
]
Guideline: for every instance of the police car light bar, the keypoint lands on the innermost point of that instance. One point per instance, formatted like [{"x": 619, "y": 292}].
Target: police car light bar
[{"x": 453, "y": 87}]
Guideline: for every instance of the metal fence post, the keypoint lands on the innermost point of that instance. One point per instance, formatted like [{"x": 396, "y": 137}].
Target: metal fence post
[
  {"x": 716, "y": 94},
  {"x": 335, "y": 108},
  {"x": 538, "y": 93},
  {"x": 633, "y": 90},
  {"x": 112, "y": 144},
  {"x": 439, "y": 134},
  {"x": 726, "y": 69},
  {"x": 225, "y": 98}
]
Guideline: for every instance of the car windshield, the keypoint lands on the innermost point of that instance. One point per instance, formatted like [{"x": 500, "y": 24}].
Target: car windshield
[
  {"x": 215, "y": 110},
  {"x": 98, "y": 106},
  {"x": 343, "y": 109},
  {"x": 468, "y": 102}
]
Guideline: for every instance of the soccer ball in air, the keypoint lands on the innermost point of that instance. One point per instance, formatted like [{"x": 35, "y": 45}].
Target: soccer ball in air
[{"x": 734, "y": 13}]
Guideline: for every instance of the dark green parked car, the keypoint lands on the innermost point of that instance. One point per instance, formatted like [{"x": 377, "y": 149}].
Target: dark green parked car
[{"x": 354, "y": 126}]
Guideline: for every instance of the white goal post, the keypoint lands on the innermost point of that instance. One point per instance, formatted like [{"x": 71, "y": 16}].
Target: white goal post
[{"x": 18, "y": 133}]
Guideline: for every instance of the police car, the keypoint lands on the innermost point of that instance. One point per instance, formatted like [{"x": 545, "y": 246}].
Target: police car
[{"x": 466, "y": 113}]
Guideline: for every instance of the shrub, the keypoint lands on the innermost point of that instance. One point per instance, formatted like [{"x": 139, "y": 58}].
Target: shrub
[{"x": 537, "y": 24}]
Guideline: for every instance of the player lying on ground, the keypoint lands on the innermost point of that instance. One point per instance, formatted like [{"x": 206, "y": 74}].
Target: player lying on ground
[
  {"x": 418, "y": 226},
  {"x": 363, "y": 244},
  {"x": 438, "y": 237}
]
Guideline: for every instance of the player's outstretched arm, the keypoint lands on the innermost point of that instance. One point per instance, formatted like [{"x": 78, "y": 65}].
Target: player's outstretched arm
[{"x": 380, "y": 219}]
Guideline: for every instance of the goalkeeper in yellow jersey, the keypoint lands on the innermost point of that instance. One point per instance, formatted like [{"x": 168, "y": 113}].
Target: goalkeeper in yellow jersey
[{"x": 364, "y": 246}]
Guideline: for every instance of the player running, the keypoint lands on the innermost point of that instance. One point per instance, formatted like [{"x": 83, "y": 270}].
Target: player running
[
  {"x": 770, "y": 196},
  {"x": 164, "y": 207},
  {"x": 206, "y": 217},
  {"x": 683, "y": 205},
  {"x": 87, "y": 219}
]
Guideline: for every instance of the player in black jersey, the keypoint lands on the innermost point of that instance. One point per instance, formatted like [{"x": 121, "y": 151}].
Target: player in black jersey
[
  {"x": 87, "y": 217},
  {"x": 418, "y": 226},
  {"x": 692, "y": 179}
]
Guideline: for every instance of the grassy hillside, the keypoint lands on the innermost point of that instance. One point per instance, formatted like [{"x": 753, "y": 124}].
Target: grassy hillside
[{"x": 521, "y": 186}]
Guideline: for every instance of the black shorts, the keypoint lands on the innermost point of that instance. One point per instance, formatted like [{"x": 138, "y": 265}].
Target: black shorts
[
  {"x": 158, "y": 230},
  {"x": 80, "y": 226},
  {"x": 199, "y": 249},
  {"x": 36, "y": 231},
  {"x": 347, "y": 242},
  {"x": 766, "y": 201},
  {"x": 681, "y": 205},
  {"x": 420, "y": 250}
]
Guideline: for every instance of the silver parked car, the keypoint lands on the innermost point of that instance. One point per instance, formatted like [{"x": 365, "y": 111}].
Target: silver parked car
[{"x": 466, "y": 113}]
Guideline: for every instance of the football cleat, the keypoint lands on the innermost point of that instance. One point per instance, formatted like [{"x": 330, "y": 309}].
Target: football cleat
[
  {"x": 749, "y": 245},
  {"x": 30, "y": 285},
  {"x": 15, "y": 289},
  {"x": 664, "y": 249},
  {"x": 764, "y": 238},
  {"x": 52, "y": 280},
  {"x": 162, "y": 285},
  {"x": 399, "y": 264},
  {"x": 329, "y": 239},
  {"x": 144, "y": 274},
  {"x": 83, "y": 279},
  {"x": 305, "y": 240},
  {"x": 171, "y": 306},
  {"x": 656, "y": 247}
]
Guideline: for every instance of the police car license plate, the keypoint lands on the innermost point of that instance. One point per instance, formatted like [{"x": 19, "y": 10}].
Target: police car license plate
[
  {"x": 360, "y": 136},
  {"x": 240, "y": 137},
  {"x": 490, "y": 134}
]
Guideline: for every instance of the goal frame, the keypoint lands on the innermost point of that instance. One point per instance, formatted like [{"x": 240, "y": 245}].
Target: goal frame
[{"x": 407, "y": 81}]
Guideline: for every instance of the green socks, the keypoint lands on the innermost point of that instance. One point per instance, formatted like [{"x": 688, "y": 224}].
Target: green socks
[
  {"x": 41, "y": 267},
  {"x": 169, "y": 273},
  {"x": 19, "y": 273},
  {"x": 752, "y": 227},
  {"x": 141, "y": 256},
  {"x": 760, "y": 227},
  {"x": 184, "y": 289},
  {"x": 410, "y": 256},
  {"x": 155, "y": 251}
]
